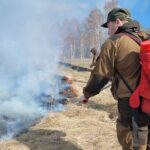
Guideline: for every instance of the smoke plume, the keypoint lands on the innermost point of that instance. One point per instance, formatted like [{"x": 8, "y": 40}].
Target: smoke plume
[{"x": 28, "y": 57}]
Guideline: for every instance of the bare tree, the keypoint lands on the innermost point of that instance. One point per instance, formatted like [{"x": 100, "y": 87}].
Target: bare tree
[
  {"x": 79, "y": 38},
  {"x": 70, "y": 38},
  {"x": 110, "y": 5},
  {"x": 94, "y": 32}
]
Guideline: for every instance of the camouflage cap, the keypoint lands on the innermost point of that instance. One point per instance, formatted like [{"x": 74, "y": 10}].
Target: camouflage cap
[{"x": 115, "y": 13}]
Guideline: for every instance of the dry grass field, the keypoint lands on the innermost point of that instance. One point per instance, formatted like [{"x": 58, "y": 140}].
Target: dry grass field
[{"x": 77, "y": 127}]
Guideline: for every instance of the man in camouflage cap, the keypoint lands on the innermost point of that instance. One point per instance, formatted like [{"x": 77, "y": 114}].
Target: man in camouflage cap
[
  {"x": 120, "y": 53},
  {"x": 122, "y": 14}
]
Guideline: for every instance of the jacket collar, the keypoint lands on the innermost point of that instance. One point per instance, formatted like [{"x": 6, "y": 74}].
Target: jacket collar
[{"x": 132, "y": 26}]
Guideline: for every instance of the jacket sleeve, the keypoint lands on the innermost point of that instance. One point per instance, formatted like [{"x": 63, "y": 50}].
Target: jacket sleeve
[
  {"x": 94, "y": 85},
  {"x": 105, "y": 63},
  {"x": 103, "y": 70}
]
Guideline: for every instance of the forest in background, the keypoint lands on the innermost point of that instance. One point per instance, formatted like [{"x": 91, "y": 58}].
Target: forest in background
[{"x": 78, "y": 38}]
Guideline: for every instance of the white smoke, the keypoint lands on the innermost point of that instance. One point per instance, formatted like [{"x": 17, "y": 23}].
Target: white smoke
[{"x": 28, "y": 58}]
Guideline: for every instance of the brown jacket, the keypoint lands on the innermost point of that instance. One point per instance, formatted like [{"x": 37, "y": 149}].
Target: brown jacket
[{"x": 121, "y": 52}]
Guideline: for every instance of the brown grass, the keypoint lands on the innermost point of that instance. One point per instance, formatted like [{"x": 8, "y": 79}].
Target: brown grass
[{"x": 86, "y": 127}]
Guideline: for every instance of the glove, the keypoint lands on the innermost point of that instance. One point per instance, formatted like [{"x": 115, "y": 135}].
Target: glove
[{"x": 83, "y": 100}]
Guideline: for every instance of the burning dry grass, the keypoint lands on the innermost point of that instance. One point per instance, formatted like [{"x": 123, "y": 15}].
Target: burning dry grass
[{"x": 86, "y": 127}]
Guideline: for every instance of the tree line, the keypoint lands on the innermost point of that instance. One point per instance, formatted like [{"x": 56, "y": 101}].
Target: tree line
[{"x": 77, "y": 39}]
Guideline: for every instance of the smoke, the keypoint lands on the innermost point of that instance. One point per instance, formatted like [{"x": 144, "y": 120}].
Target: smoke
[{"x": 28, "y": 56}]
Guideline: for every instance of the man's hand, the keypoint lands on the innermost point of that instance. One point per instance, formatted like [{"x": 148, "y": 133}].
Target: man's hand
[{"x": 83, "y": 100}]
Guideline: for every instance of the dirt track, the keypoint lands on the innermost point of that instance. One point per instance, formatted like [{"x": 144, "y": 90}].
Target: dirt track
[{"x": 86, "y": 127}]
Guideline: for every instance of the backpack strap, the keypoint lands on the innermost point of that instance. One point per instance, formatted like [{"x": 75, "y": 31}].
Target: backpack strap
[
  {"x": 133, "y": 37},
  {"x": 138, "y": 41},
  {"x": 124, "y": 81}
]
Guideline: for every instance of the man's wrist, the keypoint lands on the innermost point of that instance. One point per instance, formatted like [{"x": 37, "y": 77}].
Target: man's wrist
[{"x": 85, "y": 100}]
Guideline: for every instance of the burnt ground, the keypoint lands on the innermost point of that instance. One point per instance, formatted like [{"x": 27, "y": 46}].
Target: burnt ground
[{"x": 76, "y": 127}]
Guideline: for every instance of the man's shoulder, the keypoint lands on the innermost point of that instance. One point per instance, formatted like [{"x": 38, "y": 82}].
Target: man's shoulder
[
  {"x": 109, "y": 45},
  {"x": 117, "y": 36},
  {"x": 144, "y": 35},
  {"x": 117, "y": 40},
  {"x": 123, "y": 36},
  {"x": 120, "y": 38},
  {"x": 112, "y": 40},
  {"x": 108, "y": 42}
]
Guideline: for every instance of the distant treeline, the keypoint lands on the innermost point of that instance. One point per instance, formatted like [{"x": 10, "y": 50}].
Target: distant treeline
[{"x": 78, "y": 38}]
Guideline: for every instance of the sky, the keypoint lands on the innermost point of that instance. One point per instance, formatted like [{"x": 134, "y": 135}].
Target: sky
[
  {"x": 81, "y": 8},
  {"x": 140, "y": 10}
]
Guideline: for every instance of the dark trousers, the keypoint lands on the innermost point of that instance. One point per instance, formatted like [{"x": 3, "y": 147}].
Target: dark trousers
[{"x": 124, "y": 127}]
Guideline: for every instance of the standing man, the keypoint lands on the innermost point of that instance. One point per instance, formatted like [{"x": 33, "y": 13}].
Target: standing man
[
  {"x": 119, "y": 53},
  {"x": 95, "y": 56}
]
